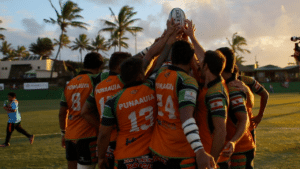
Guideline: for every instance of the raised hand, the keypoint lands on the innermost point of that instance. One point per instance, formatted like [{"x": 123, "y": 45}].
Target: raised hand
[{"x": 190, "y": 29}]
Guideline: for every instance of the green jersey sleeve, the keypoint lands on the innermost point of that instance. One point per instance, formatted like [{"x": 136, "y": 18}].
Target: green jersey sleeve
[
  {"x": 187, "y": 90},
  {"x": 63, "y": 101}
]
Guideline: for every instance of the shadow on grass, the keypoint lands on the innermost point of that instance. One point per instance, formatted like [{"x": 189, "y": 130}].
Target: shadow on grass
[
  {"x": 281, "y": 115},
  {"x": 275, "y": 105}
]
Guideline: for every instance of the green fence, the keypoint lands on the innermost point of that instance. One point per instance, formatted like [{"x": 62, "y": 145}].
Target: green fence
[
  {"x": 55, "y": 93},
  {"x": 52, "y": 93},
  {"x": 278, "y": 88}
]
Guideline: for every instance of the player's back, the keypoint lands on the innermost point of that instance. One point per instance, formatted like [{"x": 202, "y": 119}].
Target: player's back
[
  {"x": 76, "y": 93},
  {"x": 103, "y": 91},
  {"x": 175, "y": 89},
  {"x": 135, "y": 109}
]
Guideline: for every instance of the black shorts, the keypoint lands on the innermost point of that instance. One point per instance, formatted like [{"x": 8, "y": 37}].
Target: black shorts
[
  {"x": 243, "y": 160},
  {"x": 83, "y": 151},
  {"x": 173, "y": 163},
  {"x": 141, "y": 162}
]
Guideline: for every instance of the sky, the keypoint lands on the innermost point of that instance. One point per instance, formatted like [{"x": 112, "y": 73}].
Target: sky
[{"x": 267, "y": 25}]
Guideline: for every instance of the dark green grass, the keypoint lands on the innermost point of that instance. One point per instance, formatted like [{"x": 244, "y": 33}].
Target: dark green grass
[{"x": 278, "y": 135}]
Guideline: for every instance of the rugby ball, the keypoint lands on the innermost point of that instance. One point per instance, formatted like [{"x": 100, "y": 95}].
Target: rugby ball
[{"x": 178, "y": 15}]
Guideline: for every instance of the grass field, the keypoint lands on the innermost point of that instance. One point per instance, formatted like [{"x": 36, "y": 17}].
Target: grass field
[{"x": 278, "y": 135}]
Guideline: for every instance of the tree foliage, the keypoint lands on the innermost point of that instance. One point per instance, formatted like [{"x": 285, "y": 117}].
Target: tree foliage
[
  {"x": 121, "y": 24},
  {"x": 236, "y": 44}
]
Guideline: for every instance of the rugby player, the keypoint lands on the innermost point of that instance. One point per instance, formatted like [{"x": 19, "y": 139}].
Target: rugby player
[
  {"x": 213, "y": 99},
  {"x": 175, "y": 141},
  {"x": 168, "y": 37},
  {"x": 104, "y": 90},
  {"x": 11, "y": 106},
  {"x": 240, "y": 140},
  {"x": 78, "y": 136},
  {"x": 212, "y": 107},
  {"x": 133, "y": 110}
]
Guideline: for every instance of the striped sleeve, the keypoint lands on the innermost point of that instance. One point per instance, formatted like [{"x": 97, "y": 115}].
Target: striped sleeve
[
  {"x": 187, "y": 91},
  {"x": 217, "y": 105},
  {"x": 238, "y": 102},
  {"x": 254, "y": 85}
]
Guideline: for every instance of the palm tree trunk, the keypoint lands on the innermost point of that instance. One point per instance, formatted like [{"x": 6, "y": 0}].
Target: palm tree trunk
[
  {"x": 80, "y": 56},
  {"x": 59, "y": 47},
  {"x": 119, "y": 43}
]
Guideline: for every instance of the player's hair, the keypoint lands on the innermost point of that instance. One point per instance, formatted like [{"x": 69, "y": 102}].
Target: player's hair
[
  {"x": 182, "y": 52},
  {"x": 230, "y": 59},
  {"x": 12, "y": 94},
  {"x": 93, "y": 60},
  {"x": 215, "y": 61},
  {"x": 130, "y": 69},
  {"x": 117, "y": 58}
]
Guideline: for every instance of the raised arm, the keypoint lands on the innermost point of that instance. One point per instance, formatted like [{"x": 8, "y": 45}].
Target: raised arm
[
  {"x": 190, "y": 32},
  {"x": 264, "y": 97},
  {"x": 160, "y": 44}
]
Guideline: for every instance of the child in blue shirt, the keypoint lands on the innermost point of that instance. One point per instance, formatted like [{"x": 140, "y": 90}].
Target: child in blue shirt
[{"x": 14, "y": 119}]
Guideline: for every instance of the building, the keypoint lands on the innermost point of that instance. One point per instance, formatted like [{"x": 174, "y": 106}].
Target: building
[
  {"x": 271, "y": 73},
  {"x": 32, "y": 67}
]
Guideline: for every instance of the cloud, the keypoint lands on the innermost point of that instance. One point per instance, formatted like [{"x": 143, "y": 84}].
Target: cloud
[
  {"x": 6, "y": 21},
  {"x": 32, "y": 27},
  {"x": 26, "y": 13}
]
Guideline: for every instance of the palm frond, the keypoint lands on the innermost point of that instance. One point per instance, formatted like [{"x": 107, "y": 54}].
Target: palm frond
[
  {"x": 113, "y": 14},
  {"x": 57, "y": 14}
]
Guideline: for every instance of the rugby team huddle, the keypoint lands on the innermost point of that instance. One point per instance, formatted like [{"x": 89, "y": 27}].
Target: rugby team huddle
[{"x": 173, "y": 106}]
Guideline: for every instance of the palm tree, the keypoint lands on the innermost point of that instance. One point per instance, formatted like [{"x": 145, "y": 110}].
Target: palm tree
[
  {"x": 114, "y": 41},
  {"x": 122, "y": 24},
  {"x": 81, "y": 43},
  {"x": 42, "y": 47},
  {"x": 69, "y": 13},
  {"x": 64, "y": 42},
  {"x": 6, "y": 50},
  {"x": 99, "y": 44},
  {"x": 21, "y": 51},
  {"x": 236, "y": 45},
  {"x": 2, "y": 37}
]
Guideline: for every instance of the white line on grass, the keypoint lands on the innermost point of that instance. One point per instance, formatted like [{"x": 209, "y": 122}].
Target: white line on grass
[{"x": 34, "y": 135}]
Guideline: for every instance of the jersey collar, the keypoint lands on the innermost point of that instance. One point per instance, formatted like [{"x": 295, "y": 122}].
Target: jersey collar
[
  {"x": 175, "y": 68},
  {"x": 232, "y": 78},
  {"x": 212, "y": 83},
  {"x": 137, "y": 83}
]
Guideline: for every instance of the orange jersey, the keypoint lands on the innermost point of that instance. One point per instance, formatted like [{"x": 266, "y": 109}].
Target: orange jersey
[
  {"x": 103, "y": 91},
  {"x": 212, "y": 102},
  {"x": 175, "y": 89},
  {"x": 238, "y": 105},
  {"x": 134, "y": 111},
  {"x": 74, "y": 96}
]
